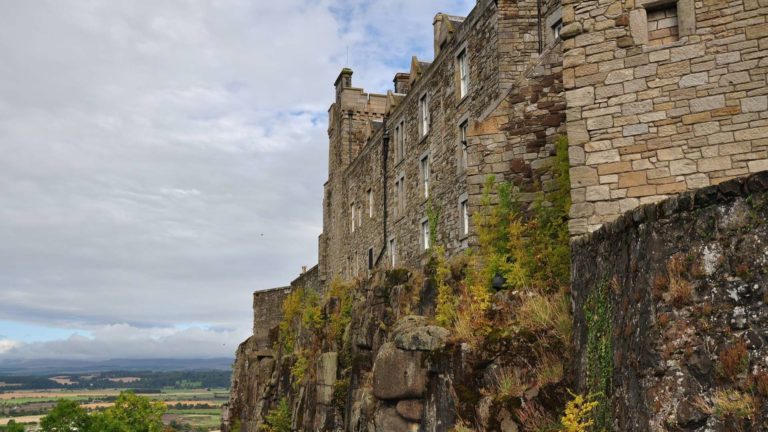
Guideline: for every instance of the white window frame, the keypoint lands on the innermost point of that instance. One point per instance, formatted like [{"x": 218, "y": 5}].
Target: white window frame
[
  {"x": 352, "y": 214},
  {"x": 393, "y": 252},
  {"x": 463, "y": 143},
  {"x": 463, "y": 64},
  {"x": 425, "y": 234},
  {"x": 464, "y": 215},
  {"x": 370, "y": 203},
  {"x": 424, "y": 114},
  {"x": 359, "y": 214},
  {"x": 425, "y": 169}
]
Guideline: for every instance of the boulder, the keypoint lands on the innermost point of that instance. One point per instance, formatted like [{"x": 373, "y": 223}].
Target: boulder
[
  {"x": 426, "y": 338},
  {"x": 388, "y": 420},
  {"x": 411, "y": 409},
  {"x": 412, "y": 333},
  {"x": 398, "y": 374}
]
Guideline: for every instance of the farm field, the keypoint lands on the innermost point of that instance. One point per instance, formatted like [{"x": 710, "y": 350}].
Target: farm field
[{"x": 198, "y": 409}]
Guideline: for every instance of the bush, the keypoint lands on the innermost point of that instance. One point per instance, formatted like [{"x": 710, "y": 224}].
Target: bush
[{"x": 279, "y": 418}]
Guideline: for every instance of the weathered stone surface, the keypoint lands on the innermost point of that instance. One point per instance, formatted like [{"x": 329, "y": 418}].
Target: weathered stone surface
[
  {"x": 398, "y": 374},
  {"x": 570, "y": 30},
  {"x": 388, "y": 420},
  {"x": 425, "y": 338},
  {"x": 411, "y": 409},
  {"x": 327, "y": 365}
]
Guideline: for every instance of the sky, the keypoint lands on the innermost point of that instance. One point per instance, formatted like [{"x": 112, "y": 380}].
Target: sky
[{"x": 159, "y": 161}]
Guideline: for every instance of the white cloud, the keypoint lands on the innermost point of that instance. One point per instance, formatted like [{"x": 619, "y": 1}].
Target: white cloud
[{"x": 161, "y": 160}]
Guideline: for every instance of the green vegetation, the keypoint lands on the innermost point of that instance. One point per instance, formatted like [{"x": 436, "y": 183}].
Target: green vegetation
[
  {"x": 279, "y": 418},
  {"x": 130, "y": 413},
  {"x": 597, "y": 314},
  {"x": 12, "y": 426},
  {"x": 578, "y": 414}
]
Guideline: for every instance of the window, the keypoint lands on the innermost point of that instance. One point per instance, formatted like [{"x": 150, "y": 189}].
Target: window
[
  {"x": 400, "y": 141},
  {"x": 400, "y": 196},
  {"x": 370, "y": 258},
  {"x": 463, "y": 73},
  {"x": 425, "y": 234},
  {"x": 662, "y": 24},
  {"x": 463, "y": 144},
  {"x": 556, "y": 27},
  {"x": 370, "y": 203},
  {"x": 352, "y": 214},
  {"x": 424, "y": 114},
  {"x": 359, "y": 214},
  {"x": 392, "y": 252},
  {"x": 463, "y": 208},
  {"x": 424, "y": 165}
]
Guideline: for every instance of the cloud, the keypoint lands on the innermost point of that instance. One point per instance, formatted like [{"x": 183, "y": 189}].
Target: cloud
[
  {"x": 125, "y": 342},
  {"x": 162, "y": 160}
]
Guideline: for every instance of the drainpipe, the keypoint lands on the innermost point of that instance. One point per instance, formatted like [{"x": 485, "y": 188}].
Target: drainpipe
[
  {"x": 538, "y": 23},
  {"x": 385, "y": 176}
]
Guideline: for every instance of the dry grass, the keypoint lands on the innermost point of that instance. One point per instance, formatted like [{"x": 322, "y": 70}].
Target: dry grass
[
  {"x": 507, "y": 383},
  {"x": 732, "y": 403},
  {"x": 733, "y": 360},
  {"x": 541, "y": 312},
  {"x": 550, "y": 371},
  {"x": 761, "y": 383},
  {"x": 680, "y": 289}
]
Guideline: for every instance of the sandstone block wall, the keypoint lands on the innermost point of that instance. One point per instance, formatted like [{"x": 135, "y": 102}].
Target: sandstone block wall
[{"x": 651, "y": 118}]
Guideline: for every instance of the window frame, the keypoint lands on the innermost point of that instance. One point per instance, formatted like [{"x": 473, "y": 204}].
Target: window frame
[
  {"x": 370, "y": 203},
  {"x": 424, "y": 120},
  {"x": 425, "y": 234},
  {"x": 463, "y": 145},
  {"x": 462, "y": 60},
  {"x": 425, "y": 169},
  {"x": 352, "y": 213},
  {"x": 392, "y": 247}
]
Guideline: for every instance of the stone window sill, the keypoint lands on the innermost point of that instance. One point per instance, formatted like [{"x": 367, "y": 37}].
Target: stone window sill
[{"x": 678, "y": 43}]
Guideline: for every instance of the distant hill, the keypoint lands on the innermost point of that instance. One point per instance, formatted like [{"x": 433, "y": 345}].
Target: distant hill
[{"x": 59, "y": 366}]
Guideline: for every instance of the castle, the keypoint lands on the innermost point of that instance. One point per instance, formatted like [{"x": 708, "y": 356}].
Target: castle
[
  {"x": 655, "y": 98},
  {"x": 664, "y": 105}
]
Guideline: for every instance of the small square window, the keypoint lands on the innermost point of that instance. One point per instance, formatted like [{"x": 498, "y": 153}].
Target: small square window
[
  {"x": 662, "y": 24},
  {"x": 556, "y": 27}
]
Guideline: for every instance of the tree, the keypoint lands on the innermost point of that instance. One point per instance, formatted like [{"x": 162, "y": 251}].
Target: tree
[
  {"x": 12, "y": 426},
  {"x": 66, "y": 416},
  {"x": 135, "y": 414}
]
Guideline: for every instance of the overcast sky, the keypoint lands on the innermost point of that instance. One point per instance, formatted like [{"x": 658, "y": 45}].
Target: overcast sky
[{"x": 161, "y": 160}]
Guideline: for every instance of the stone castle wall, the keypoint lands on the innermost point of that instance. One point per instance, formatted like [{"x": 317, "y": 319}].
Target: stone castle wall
[
  {"x": 683, "y": 283},
  {"x": 651, "y": 118},
  {"x": 512, "y": 111}
]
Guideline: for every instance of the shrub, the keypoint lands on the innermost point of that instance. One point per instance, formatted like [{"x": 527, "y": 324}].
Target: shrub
[
  {"x": 734, "y": 404},
  {"x": 734, "y": 360},
  {"x": 278, "y": 419},
  {"x": 578, "y": 414}
]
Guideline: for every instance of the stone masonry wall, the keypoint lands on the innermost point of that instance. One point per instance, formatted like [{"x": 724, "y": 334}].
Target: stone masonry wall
[
  {"x": 675, "y": 294},
  {"x": 267, "y": 313},
  {"x": 513, "y": 110},
  {"x": 648, "y": 120}
]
